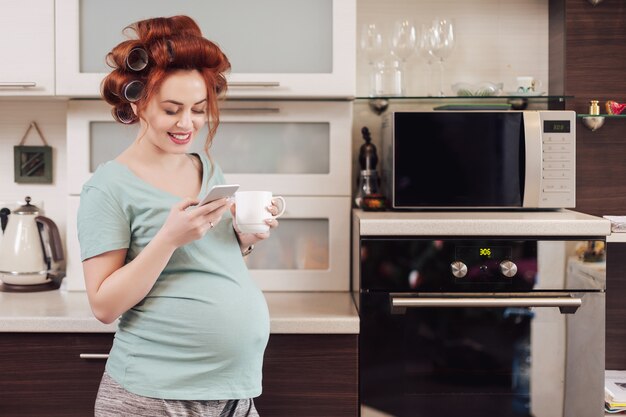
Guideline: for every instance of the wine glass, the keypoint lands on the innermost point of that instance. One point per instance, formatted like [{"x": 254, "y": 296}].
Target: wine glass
[
  {"x": 426, "y": 52},
  {"x": 403, "y": 39},
  {"x": 442, "y": 43},
  {"x": 372, "y": 43},
  {"x": 373, "y": 47}
]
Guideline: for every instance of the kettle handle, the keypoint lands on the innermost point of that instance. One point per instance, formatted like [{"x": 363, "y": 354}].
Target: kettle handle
[{"x": 56, "y": 247}]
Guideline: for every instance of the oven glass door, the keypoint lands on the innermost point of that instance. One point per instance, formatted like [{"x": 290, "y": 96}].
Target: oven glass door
[
  {"x": 479, "y": 361},
  {"x": 459, "y": 361}
]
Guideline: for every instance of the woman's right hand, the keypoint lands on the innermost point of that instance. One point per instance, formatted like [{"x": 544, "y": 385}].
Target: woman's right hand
[{"x": 185, "y": 224}]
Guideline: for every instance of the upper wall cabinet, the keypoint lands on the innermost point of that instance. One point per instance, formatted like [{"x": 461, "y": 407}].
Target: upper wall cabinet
[
  {"x": 277, "y": 48},
  {"x": 27, "y": 48},
  {"x": 289, "y": 147}
]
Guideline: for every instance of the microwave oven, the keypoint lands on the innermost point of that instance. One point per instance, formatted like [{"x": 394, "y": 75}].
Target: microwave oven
[{"x": 479, "y": 159}]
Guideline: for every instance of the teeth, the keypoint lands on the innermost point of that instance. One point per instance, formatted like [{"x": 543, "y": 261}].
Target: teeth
[{"x": 180, "y": 137}]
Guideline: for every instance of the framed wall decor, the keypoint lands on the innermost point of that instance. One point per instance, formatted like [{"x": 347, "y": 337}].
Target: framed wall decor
[{"x": 33, "y": 164}]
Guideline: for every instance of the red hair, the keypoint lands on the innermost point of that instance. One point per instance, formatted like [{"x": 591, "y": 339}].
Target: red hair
[{"x": 172, "y": 44}]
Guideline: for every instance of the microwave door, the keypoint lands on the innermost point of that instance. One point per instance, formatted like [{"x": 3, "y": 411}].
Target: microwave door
[{"x": 458, "y": 159}]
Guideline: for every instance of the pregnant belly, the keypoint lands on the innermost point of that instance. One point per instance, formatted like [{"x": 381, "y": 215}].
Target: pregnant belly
[{"x": 218, "y": 324}]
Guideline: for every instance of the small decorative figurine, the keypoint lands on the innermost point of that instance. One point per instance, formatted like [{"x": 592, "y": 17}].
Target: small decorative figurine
[{"x": 613, "y": 107}]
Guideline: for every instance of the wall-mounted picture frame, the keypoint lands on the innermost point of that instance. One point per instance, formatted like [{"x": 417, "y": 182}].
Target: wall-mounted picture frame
[{"x": 32, "y": 164}]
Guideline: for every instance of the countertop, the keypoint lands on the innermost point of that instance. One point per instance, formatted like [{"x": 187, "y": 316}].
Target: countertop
[
  {"x": 69, "y": 312},
  {"x": 480, "y": 223}
]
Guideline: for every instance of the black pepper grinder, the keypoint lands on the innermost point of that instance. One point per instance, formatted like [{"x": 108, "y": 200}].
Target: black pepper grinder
[{"x": 367, "y": 195}]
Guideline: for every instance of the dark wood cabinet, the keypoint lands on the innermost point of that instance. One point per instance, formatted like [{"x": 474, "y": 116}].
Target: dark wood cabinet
[
  {"x": 42, "y": 374},
  {"x": 587, "y": 49}
]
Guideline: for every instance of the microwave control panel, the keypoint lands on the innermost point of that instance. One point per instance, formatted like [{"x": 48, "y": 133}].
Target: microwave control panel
[{"x": 558, "y": 171}]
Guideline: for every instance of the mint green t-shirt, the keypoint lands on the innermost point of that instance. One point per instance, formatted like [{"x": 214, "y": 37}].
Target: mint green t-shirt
[{"x": 201, "y": 331}]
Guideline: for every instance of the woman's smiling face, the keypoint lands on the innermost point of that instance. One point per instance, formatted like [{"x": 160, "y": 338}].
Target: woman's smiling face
[{"x": 176, "y": 113}]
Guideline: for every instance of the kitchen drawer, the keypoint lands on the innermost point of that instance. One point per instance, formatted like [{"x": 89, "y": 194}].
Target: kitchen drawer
[
  {"x": 44, "y": 375},
  {"x": 288, "y": 147},
  {"x": 277, "y": 48},
  {"x": 306, "y": 375},
  {"x": 308, "y": 252}
]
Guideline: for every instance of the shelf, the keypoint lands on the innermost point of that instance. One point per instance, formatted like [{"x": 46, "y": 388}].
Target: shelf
[
  {"x": 431, "y": 98},
  {"x": 379, "y": 104},
  {"x": 608, "y": 116},
  {"x": 594, "y": 122}
]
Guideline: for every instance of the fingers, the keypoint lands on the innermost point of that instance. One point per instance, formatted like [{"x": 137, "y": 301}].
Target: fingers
[
  {"x": 187, "y": 202},
  {"x": 273, "y": 209},
  {"x": 272, "y": 223}
]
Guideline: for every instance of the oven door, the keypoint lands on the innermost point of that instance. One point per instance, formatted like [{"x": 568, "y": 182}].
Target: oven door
[{"x": 477, "y": 355}]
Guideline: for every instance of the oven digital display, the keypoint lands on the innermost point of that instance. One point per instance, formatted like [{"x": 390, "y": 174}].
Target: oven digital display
[
  {"x": 556, "y": 126},
  {"x": 478, "y": 254}
]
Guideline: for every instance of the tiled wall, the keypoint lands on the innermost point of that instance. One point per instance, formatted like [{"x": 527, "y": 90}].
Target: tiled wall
[
  {"x": 497, "y": 40},
  {"x": 15, "y": 117}
]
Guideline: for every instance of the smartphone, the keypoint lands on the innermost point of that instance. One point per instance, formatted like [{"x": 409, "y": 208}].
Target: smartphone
[{"x": 219, "y": 191}]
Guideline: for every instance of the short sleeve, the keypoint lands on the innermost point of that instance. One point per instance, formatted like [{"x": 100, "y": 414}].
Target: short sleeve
[{"x": 102, "y": 225}]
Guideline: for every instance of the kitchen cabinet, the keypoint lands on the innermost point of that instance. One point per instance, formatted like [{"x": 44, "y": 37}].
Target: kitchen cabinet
[
  {"x": 288, "y": 147},
  {"x": 277, "y": 48},
  {"x": 304, "y": 374},
  {"x": 310, "y": 251},
  {"x": 292, "y": 148},
  {"x": 27, "y": 48}
]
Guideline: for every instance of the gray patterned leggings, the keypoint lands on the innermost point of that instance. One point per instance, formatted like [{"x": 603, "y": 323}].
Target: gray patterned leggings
[{"x": 114, "y": 401}]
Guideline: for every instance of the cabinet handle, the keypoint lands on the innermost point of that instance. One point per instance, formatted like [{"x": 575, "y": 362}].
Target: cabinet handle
[
  {"x": 9, "y": 84},
  {"x": 247, "y": 84},
  {"x": 94, "y": 356},
  {"x": 251, "y": 109}
]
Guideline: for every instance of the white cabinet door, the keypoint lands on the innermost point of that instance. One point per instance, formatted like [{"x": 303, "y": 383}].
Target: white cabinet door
[
  {"x": 309, "y": 251},
  {"x": 277, "y": 48},
  {"x": 287, "y": 147},
  {"x": 74, "y": 278},
  {"x": 27, "y": 48}
]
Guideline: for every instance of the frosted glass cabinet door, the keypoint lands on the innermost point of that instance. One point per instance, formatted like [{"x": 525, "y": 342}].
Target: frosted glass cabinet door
[
  {"x": 289, "y": 148},
  {"x": 292, "y": 148},
  {"x": 309, "y": 251},
  {"x": 277, "y": 48},
  {"x": 27, "y": 46}
]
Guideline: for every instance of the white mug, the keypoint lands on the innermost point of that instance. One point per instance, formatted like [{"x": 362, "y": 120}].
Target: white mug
[
  {"x": 251, "y": 210},
  {"x": 525, "y": 84}
]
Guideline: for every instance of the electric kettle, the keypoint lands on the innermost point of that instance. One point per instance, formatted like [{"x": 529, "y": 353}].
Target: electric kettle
[{"x": 30, "y": 246}]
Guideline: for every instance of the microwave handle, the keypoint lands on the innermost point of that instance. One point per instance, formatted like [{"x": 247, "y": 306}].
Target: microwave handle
[{"x": 567, "y": 305}]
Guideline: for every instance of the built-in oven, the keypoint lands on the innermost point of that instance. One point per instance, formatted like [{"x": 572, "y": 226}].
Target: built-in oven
[{"x": 479, "y": 327}]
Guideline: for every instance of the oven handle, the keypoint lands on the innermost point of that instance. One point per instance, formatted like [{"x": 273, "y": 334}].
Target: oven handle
[{"x": 567, "y": 305}]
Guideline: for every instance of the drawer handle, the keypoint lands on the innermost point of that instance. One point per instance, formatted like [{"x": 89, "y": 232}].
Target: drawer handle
[
  {"x": 9, "y": 84},
  {"x": 247, "y": 84},
  {"x": 94, "y": 356}
]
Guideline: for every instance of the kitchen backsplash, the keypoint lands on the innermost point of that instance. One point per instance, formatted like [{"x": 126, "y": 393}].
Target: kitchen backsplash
[
  {"x": 495, "y": 40},
  {"x": 15, "y": 117}
]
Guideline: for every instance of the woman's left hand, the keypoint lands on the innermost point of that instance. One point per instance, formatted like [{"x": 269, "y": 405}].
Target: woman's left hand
[{"x": 248, "y": 239}]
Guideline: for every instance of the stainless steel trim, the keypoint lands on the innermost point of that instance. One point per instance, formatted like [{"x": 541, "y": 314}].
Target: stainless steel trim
[
  {"x": 14, "y": 273},
  {"x": 567, "y": 304},
  {"x": 94, "y": 356},
  {"x": 246, "y": 84},
  {"x": 10, "y": 84}
]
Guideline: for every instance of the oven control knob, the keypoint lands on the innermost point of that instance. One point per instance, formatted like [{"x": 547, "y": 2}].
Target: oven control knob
[
  {"x": 459, "y": 269},
  {"x": 508, "y": 269}
]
